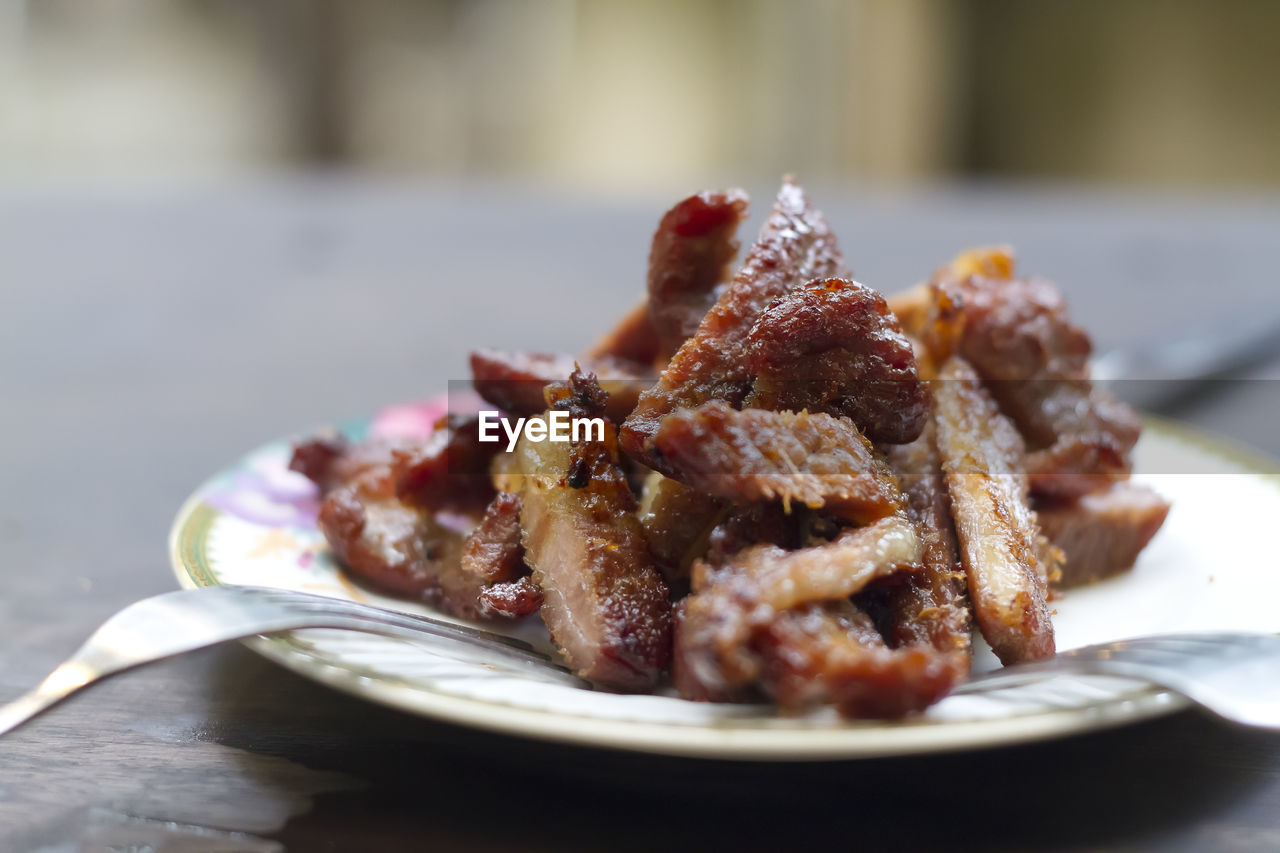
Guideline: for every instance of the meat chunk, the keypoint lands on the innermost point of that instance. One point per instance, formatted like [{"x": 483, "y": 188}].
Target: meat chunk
[
  {"x": 794, "y": 246},
  {"x": 816, "y": 460},
  {"x": 732, "y": 604},
  {"x": 1102, "y": 533},
  {"x": 633, "y": 339},
  {"x": 999, "y": 541},
  {"x": 317, "y": 458},
  {"x": 512, "y": 599},
  {"x": 831, "y": 345},
  {"x": 832, "y": 653},
  {"x": 931, "y": 607},
  {"x": 688, "y": 260},
  {"x": 604, "y": 603},
  {"x": 755, "y": 524},
  {"x": 514, "y": 381},
  {"x": 1035, "y": 362},
  {"x": 677, "y": 522},
  {"x": 450, "y": 471},
  {"x": 492, "y": 551},
  {"x": 393, "y": 546}
]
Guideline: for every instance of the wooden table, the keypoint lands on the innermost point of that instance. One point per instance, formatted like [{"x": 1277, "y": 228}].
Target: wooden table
[{"x": 150, "y": 335}]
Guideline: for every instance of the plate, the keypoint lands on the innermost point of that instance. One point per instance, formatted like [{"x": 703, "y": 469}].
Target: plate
[{"x": 1207, "y": 569}]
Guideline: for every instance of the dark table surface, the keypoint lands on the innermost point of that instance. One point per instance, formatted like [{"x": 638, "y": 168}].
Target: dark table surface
[{"x": 150, "y": 335}]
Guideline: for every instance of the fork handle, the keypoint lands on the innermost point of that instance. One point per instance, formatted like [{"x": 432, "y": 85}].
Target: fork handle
[
  {"x": 92, "y": 662},
  {"x": 60, "y": 684}
]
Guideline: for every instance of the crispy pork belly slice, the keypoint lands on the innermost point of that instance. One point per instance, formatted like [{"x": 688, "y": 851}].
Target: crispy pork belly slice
[
  {"x": 733, "y": 603},
  {"x": 831, "y": 345},
  {"x": 832, "y": 653},
  {"x": 393, "y": 546},
  {"x": 492, "y": 551},
  {"x": 450, "y": 471},
  {"x": 604, "y": 603},
  {"x": 689, "y": 259},
  {"x": 677, "y": 522},
  {"x": 999, "y": 540},
  {"x": 794, "y": 246},
  {"x": 633, "y": 339},
  {"x": 1102, "y": 533},
  {"x": 931, "y": 607},
  {"x": 1035, "y": 362},
  {"x": 512, "y": 599},
  {"x": 514, "y": 381},
  {"x": 753, "y": 454}
]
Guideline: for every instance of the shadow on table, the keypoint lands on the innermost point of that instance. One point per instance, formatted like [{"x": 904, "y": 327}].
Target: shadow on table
[{"x": 1172, "y": 783}]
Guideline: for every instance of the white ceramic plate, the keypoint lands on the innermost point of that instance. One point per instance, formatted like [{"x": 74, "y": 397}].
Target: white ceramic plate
[{"x": 1209, "y": 568}]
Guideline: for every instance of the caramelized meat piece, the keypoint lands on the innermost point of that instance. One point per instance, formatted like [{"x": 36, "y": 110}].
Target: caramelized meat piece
[
  {"x": 330, "y": 460},
  {"x": 513, "y": 381},
  {"x": 492, "y": 551},
  {"x": 832, "y": 653},
  {"x": 316, "y": 458},
  {"x": 744, "y": 526},
  {"x": 1035, "y": 362},
  {"x": 999, "y": 540},
  {"x": 604, "y": 603},
  {"x": 1102, "y": 533},
  {"x": 633, "y": 340},
  {"x": 395, "y": 547},
  {"x": 1094, "y": 445},
  {"x": 931, "y": 607},
  {"x": 450, "y": 471},
  {"x": 816, "y": 460},
  {"x": 831, "y": 345},
  {"x": 677, "y": 523},
  {"x": 512, "y": 599},
  {"x": 731, "y": 605},
  {"x": 689, "y": 259},
  {"x": 794, "y": 246}
]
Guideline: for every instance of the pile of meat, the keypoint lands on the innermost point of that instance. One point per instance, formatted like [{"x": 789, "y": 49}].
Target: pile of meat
[{"x": 809, "y": 493}]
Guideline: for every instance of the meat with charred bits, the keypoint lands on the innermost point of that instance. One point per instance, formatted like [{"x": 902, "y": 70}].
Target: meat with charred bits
[
  {"x": 982, "y": 455},
  {"x": 689, "y": 260},
  {"x": 816, "y": 460},
  {"x": 831, "y": 345},
  {"x": 450, "y": 471},
  {"x": 932, "y": 605},
  {"x": 732, "y": 604},
  {"x": 392, "y": 546},
  {"x": 605, "y": 605},
  {"x": 514, "y": 381},
  {"x": 806, "y": 507},
  {"x": 794, "y": 246},
  {"x": 1035, "y": 362}
]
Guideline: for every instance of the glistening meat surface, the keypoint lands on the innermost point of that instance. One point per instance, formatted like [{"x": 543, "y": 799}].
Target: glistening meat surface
[
  {"x": 795, "y": 245},
  {"x": 605, "y": 605},
  {"x": 999, "y": 548},
  {"x": 393, "y": 546},
  {"x": 816, "y": 460},
  {"x": 831, "y": 345},
  {"x": 688, "y": 260}
]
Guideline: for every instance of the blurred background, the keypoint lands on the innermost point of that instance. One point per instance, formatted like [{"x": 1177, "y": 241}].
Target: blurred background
[{"x": 609, "y": 95}]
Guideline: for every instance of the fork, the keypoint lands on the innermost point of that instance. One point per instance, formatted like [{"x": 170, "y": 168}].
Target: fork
[
  {"x": 1235, "y": 675},
  {"x": 174, "y": 623}
]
